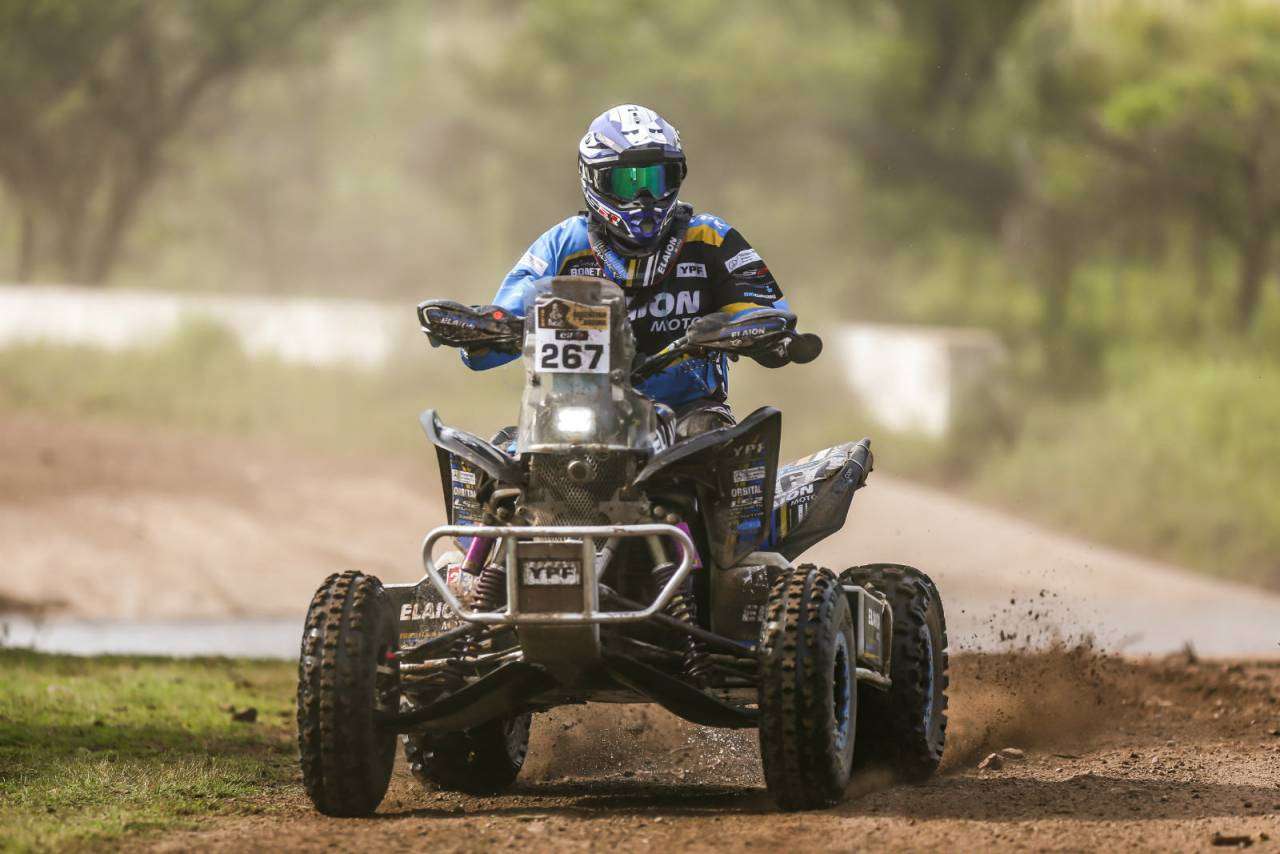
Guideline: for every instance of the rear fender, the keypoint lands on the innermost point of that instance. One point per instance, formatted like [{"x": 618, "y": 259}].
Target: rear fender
[{"x": 814, "y": 494}]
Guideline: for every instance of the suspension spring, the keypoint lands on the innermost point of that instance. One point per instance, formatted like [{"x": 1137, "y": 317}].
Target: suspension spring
[
  {"x": 683, "y": 608},
  {"x": 489, "y": 594}
]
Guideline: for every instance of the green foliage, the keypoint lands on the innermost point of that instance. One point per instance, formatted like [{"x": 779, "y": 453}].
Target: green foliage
[
  {"x": 93, "y": 96},
  {"x": 93, "y": 749},
  {"x": 1179, "y": 459},
  {"x": 1152, "y": 115}
]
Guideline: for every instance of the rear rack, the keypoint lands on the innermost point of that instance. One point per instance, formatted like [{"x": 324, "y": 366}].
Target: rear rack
[{"x": 593, "y": 565}]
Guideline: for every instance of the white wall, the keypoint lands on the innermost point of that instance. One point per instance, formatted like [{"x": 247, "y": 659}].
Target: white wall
[
  {"x": 296, "y": 329},
  {"x": 915, "y": 378}
]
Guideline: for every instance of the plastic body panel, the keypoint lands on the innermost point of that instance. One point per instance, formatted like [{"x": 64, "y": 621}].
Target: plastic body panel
[{"x": 813, "y": 495}]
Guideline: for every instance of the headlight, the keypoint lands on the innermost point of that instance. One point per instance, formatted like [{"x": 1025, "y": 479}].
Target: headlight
[{"x": 575, "y": 422}]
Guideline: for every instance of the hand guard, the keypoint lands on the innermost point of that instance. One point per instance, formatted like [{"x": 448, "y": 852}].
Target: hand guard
[{"x": 473, "y": 328}]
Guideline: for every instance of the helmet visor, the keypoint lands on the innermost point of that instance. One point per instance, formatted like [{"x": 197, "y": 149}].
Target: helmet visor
[{"x": 627, "y": 182}]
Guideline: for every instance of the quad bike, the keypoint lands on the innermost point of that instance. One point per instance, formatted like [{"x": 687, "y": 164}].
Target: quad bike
[{"x": 603, "y": 560}]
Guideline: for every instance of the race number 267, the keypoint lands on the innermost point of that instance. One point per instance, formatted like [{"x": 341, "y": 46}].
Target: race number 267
[{"x": 571, "y": 356}]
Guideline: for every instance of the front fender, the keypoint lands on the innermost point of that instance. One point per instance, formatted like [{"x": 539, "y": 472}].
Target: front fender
[{"x": 473, "y": 449}]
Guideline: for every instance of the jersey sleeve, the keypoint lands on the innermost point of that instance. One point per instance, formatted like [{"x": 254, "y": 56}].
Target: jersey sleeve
[
  {"x": 743, "y": 281},
  {"x": 539, "y": 261}
]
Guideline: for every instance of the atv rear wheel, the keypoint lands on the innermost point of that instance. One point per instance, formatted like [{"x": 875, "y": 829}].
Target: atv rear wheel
[
  {"x": 344, "y": 678},
  {"x": 807, "y": 694},
  {"x": 481, "y": 761},
  {"x": 905, "y": 728}
]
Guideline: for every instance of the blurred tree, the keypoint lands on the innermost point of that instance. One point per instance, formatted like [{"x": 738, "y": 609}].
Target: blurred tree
[
  {"x": 92, "y": 95},
  {"x": 1199, "y": 115},
  {"x": 934, "y": 119},
  {"x": 1148, "y": 116},
  {"x": 921, "y": 117}
]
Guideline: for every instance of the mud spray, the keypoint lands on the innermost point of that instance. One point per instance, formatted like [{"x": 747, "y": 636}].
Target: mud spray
[{"x": 1054, "y": 698}]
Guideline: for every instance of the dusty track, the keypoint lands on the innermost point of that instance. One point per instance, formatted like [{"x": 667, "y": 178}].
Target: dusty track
[
  {"x": 124, "y": 522},
  {"x": 135, "y": 522},
  {"x": 1154, "y": 756}
]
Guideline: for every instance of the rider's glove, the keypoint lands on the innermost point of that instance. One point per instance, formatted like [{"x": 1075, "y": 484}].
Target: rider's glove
[{"x": 773, "y": 357}]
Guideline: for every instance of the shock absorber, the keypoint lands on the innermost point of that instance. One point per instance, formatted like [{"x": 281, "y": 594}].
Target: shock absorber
[
  {"x": 488, "y": 594},
  {"x": 490, "y": 591},
  {"x": 683, "y": 608}
]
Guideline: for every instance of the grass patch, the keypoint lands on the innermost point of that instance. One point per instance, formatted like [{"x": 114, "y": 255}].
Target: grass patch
[{"x": 92, "y": 749}]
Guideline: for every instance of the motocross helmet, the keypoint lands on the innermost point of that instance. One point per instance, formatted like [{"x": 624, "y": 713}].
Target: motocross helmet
[{"x": 631, "y": 165}]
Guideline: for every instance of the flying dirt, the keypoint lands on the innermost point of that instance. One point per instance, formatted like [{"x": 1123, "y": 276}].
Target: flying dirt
[{"x": 1095, "y": 753}]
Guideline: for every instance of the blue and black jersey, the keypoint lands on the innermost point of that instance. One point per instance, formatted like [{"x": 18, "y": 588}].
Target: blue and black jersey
[{"x": 714, "y": 269}]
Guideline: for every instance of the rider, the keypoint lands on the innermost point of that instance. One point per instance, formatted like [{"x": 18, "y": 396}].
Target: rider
[{"x": 673, "y": 264}]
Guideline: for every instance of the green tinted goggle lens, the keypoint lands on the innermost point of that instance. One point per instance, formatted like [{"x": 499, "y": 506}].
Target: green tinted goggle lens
[{"x": 626, "y": 182}]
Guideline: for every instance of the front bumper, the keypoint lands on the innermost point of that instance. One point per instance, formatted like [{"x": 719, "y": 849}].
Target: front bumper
[{"x": 593, "y": 565}]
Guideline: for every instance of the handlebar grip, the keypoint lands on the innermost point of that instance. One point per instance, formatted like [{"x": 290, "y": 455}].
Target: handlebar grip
[{"x": 804, "y": 348}]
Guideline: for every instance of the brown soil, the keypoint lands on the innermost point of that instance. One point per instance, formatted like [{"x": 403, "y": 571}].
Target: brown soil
[
  {"x": 141, "y": 522},
  {"x": 126, "y": 521},
  {"x": 1156, "y": 755}
]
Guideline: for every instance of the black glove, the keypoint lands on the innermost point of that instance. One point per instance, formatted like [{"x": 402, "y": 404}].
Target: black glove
[{"x": 773, "y": 357}]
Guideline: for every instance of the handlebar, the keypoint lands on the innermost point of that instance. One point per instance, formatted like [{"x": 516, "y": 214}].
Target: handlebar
[
  {"x": 768, "y": 335},
  {"x": 804, "y": 348},
  {"x": 797, "y": 347}
]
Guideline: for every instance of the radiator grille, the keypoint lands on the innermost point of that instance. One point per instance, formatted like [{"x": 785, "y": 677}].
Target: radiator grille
[{"x": 555, "y": 498}]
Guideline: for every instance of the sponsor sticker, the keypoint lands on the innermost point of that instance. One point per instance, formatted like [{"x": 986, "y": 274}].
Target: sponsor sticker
[
  {"x": 691, "y": 270},
  {"x": 533, "y": 262},
  {"x": 746, "y": 256},
  {"x": 751, "y": 474},
  {"x": 551, "y": 573},
  {"x": 414, "y": 611},
  {"x": 571, "y": 338}
]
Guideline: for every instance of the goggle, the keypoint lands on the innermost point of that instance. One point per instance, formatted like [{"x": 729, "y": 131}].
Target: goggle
[{"x": 627, "y": 182}]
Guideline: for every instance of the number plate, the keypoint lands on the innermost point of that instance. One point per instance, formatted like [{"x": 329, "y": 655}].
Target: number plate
[
  {"x": 551, "y": 573},
  {"x": 571, "y": 338}
]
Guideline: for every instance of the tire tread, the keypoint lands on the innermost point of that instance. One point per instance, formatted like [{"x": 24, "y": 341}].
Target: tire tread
[{"x": 891, "y": 727}]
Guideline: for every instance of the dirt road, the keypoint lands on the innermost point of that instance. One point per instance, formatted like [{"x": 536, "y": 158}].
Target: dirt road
[
  {"x": 1158, "y": 754},
  {"x": 1117, "y": 755},
  {"x": 135, "y": 523}
]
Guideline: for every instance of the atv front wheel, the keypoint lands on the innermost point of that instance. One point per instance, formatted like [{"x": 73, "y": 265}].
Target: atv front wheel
[
  {"x": 480, "y": 761},
  {"x": 344, "y": 678},
  {"x": 905, "y": 728},
  {"x": 808, "y": 693}
]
